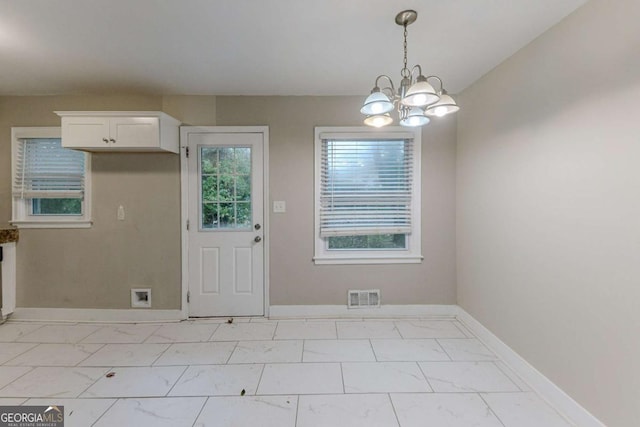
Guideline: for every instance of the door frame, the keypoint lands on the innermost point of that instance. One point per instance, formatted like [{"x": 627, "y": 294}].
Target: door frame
[{"x": 184, "y": 202}]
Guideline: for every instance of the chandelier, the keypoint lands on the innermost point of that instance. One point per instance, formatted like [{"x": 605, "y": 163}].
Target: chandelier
[{"x": 416, "y": 99}]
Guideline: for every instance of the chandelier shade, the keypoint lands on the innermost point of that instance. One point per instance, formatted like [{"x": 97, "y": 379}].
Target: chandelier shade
[
  {"x": 446, "y": 105},
  {"x": 415, "y": 117},
  {"x": 420, "y": 94},
  {"x": 416, "y": 99},
  {"x": 376, "y": 103},
  {"x": 379, "y": 120}
]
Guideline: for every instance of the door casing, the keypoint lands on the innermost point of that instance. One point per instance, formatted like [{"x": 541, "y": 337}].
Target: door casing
[{"x": 184, "y": 202}]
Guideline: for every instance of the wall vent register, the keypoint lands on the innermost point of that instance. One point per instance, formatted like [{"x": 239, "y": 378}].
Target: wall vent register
[{"x": 363, "y": 299}]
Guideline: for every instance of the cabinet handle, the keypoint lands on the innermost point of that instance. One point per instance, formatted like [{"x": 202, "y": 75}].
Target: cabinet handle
[
  {"x": 113, "y": 141},
  {"x": 106, "y": 141}
]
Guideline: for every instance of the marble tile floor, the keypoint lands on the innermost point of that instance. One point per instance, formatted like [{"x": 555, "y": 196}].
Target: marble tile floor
[{"x": 262, "y": 372}]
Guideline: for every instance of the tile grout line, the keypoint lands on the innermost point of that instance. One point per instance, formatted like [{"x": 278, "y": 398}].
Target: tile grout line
[
  {"x": 395, "y": 328},
  {"x": 97, "y": 350},
  {"x": 424, "y": 374},
  {"x": 237, "y": 343},
  {"x": 177, "y": 381},
  {"x": 491, "y": 409},
  {"x": 295, "y": 424},
  {"x": 375, "y": 356},
  {"x": 30, "y": 332},
  {"x": 212, "y": 333},
  {"x": 89, "y": 334},
  {"x": 115, "y": 400},
  {"x": 31, "y": 369},
  {"x": 161, "y": 353},
  {"x": 395, "y": 413},
  {"x": 195, "y": 420},
  {"x": 106, "y": 371},
  {"x": 264, "y": 366},
  {"x": 437, "y": 340},
  {"x": 21, "y": 354}
]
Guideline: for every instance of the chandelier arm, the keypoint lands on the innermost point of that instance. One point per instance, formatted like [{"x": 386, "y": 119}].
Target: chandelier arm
[
  {"x": 439, "y": 81},
  {"x": 416, "y": 67},
  {"x": 390, "y": 87}
]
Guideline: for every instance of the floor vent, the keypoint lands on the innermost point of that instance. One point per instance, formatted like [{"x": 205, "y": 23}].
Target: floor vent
[{"x": 364, "y": 299}]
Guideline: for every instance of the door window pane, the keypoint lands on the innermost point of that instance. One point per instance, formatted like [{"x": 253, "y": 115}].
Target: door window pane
[{"x": 225, "y": 187}]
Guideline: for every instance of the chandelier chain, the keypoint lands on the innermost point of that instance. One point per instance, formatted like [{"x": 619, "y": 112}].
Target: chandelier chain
[{"x": 405, "y": 70}]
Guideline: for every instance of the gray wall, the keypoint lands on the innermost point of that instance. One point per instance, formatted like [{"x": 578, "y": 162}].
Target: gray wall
[
  {"x": 97, "y": 267},
  {"x": 294, "y": 277},
  {"x": 548, "y": 206}
]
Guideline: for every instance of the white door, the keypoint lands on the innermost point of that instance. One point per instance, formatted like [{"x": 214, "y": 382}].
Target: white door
[{"x": 226, "y": 229}]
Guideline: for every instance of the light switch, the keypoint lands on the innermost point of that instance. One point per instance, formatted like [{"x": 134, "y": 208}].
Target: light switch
[
  {"x": 279, "y": 206},
  {"x": 120, "y": 213}
]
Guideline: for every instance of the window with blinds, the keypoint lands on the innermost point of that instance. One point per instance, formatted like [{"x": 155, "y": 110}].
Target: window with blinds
[
  {"x": 366, "y": 186},
  {"x": 50, "y": 184},
  {"x": 367, "y": 196},
  {"x": 45, "y": 170}
]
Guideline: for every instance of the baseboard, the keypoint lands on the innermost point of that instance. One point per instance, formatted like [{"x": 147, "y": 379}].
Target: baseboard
[
  {"x": 341, "y": 311},
  {"x": 534, "y": 378},
  {"x": 95, "y": 315}
]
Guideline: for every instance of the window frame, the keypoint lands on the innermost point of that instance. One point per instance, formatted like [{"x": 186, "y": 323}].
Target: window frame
[
  {"x": 22, "y": 207},
  {"x": 413, "y": 252}
]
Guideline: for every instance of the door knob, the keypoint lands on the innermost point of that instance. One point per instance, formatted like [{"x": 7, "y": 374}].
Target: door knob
[
  {"x": 257, "y": 226},
  {"x": 257, "y": 239}
]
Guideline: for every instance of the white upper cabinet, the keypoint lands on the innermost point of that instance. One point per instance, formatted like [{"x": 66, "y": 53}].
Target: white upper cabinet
[{"x": 119, "y": 131}]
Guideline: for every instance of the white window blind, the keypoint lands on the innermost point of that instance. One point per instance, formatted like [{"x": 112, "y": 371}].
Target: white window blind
[
  {"x": 46, "y": 170},
  {"x": 365, "y": 186}
]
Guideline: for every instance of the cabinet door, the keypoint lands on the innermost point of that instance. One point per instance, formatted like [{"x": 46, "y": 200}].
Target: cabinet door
[
  {"x": 135, "y": 132},
  {"x": 85, "y": 132}
]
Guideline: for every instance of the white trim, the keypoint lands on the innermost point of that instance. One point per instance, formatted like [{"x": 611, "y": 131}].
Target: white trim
[
  {"x": 383, "y": 312},
  {"x": 184, "y": 202},
  {"x": 368, "y": 260},
  {"x": 266, "y": 223},
  {"x": 117, "y": 114},
  {"x": 56, "y": 224},
  {"x": 96, "y": 315},
  {"x": 542, "y": 385},
  {"x": 8, "y": 279},
  {"x": 184, "y": 217}
]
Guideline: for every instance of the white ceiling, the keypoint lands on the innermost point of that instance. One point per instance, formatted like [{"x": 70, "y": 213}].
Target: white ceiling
[{"x": 266, "y": 47}]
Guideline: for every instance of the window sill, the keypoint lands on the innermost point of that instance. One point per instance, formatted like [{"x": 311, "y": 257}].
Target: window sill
[
  {"x": 368, "y": 260},
  {"x": 53, "y": 224}
]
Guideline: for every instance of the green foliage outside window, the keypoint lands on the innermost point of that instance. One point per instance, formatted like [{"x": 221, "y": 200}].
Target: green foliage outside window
[
  {"x": 377, "y": 241},
  {"x": 56, "y": 207},
  {"x": 226, "y": 187}
]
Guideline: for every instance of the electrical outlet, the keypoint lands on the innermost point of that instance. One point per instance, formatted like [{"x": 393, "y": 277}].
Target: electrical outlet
[
  {"x": 120, "y": 213},
  {"x": 279, "y": 206}
]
